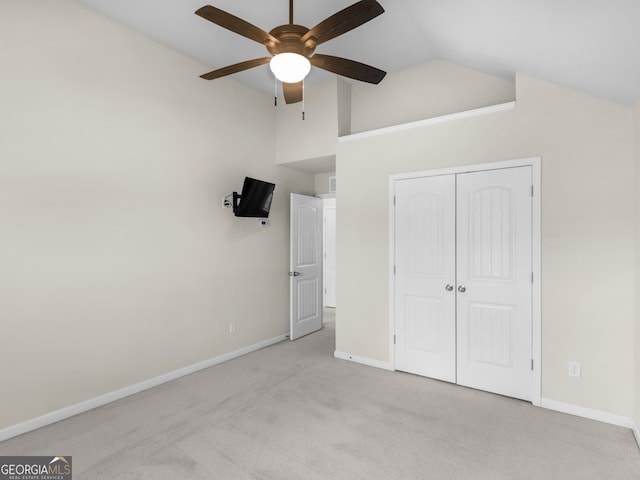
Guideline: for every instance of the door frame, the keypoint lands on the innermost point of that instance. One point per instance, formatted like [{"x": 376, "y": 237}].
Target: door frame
[
  {"x": 536, "y": 301},
  {"x": 326, "y": 209}
]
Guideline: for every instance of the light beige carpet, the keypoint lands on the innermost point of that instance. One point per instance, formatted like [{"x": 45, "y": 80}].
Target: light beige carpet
[{"x": 292, "y": 411}]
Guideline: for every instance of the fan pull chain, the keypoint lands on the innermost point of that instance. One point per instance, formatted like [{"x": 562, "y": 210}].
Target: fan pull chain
[
  {"x": 275, "y": 91},
  {"x": 303, "y": 100}
]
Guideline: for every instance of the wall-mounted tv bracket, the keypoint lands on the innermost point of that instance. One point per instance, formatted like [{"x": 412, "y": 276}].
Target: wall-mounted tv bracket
[{"x": 226, "y": 203}]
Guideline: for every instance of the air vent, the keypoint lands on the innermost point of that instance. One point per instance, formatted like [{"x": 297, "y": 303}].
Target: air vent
[{"x": 332, "y": 184}]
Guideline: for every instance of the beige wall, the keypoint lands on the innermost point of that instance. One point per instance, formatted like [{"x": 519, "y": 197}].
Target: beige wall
[
  {"x": 316, "y": 135},
  {"x": 118, "y": 262},
  {"x": 427, "y": 90},
  {"x": 587, "y": 231},
  {"x": 321, "y": 181},
  {"x": 636, "y": 410}
]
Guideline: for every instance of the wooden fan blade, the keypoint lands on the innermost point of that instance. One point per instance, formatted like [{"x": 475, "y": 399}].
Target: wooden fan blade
[
  {"x": 344, "y": 21},
  {"x": 235, "y": 68},
  {"x": 348, "y": 68},
  {"x": 292, "y": 92},
  {"x": 237, "y": 25}
]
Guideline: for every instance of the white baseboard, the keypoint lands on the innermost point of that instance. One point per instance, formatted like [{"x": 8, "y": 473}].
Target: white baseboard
[
  {"x": 589, "y": 413},
  {"x": 363, "y": 360},
  {"x": 87, "y": 405}
]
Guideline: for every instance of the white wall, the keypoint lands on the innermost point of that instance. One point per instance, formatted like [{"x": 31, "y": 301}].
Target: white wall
[
  {"x": 587, "y": 231},
  {"x": 117, "y": 261},
  {"x": 427, "y": 90}
]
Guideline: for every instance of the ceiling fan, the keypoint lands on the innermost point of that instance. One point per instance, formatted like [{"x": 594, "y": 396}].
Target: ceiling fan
[{"x": 292, "y": 46}]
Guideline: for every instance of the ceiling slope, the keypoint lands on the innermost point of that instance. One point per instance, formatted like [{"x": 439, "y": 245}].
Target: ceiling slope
[{"x": 592, "y": 46}]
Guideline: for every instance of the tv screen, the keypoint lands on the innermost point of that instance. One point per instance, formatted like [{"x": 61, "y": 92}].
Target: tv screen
[{"x": 255, "y": 199}]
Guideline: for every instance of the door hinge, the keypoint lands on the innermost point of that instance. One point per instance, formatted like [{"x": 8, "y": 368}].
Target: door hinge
[
  {"x": 394, "y": 269},
  {"x": 532, "y": 190},
  {"x": 394, "y": 339},
  {"x": 531, "y": 277},
  {"x": 532, "y": 364},
  {"x": 394, "y": 200}
]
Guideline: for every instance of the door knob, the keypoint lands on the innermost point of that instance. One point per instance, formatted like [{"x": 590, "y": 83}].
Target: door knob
[
  {"x": 449, "y": 287},
  {"x": 462, "y": 289},
  {"x": 294, "y": 274}
]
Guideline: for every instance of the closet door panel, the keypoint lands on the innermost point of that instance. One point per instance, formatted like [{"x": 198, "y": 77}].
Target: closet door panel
[
  {"x": 425, "y": 276},
  {"x": 494, "y": 316}
]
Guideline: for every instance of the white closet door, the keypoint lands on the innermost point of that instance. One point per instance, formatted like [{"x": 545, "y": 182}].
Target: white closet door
[
  {"x": 425, "y": 277},
  {"x": 494, "y": 281}
]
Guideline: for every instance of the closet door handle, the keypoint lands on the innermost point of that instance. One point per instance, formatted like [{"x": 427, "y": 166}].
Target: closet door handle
[
  {"x": 449, "y": 288},
  {"x": 462, "y": 289}
]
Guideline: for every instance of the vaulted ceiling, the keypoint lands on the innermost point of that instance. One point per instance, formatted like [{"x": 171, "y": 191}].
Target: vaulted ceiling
[{"x": 589, "y": 45}]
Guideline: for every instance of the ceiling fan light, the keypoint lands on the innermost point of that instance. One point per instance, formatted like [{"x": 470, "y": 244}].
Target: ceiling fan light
[{"x": 290, "y": 67}]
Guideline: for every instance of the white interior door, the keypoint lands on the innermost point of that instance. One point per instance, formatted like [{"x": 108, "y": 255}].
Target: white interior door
[
  {"x": 305, "y": 265},
  {"x": 329, "y": 265},
  {"x": 425, "y": 277},
  {"x": 495, "y": 281}
]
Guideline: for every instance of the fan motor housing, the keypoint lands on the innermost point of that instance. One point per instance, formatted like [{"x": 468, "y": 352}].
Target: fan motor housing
[{"x": 289, "y": 36}]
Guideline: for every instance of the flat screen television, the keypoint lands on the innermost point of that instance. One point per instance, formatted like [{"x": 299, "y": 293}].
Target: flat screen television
[{"x": 255, "y": 199}]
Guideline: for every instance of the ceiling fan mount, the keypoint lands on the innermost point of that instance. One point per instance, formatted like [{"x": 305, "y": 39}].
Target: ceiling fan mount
[{"x": 297, "y": 39}]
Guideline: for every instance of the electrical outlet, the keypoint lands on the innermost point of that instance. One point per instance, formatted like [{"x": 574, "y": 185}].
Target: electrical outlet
[
  {"x": 232, "y": 327},
  {"x": 574, "y": 369}
]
